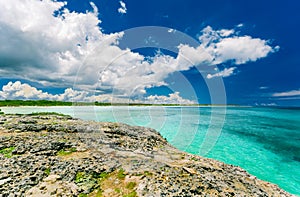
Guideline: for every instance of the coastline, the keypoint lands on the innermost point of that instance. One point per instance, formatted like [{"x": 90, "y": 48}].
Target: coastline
[
  {"x": 146, "y": 161},
  {"x": 48, "y": 103}
]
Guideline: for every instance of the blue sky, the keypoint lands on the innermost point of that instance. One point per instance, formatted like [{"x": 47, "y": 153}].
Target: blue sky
[{"x": 237, "y": 52}]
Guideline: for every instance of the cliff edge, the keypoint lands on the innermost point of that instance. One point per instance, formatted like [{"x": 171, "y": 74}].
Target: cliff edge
[{"x": 56, "y": 155}]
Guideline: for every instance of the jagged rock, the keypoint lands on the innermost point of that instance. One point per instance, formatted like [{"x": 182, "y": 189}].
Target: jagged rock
[{"x": 55, "y": 155}]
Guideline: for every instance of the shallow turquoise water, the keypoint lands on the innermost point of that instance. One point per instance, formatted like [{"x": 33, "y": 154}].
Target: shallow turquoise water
[{"x": 264, "y": 141}]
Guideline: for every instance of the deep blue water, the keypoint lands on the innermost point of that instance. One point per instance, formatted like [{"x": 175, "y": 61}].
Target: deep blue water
[{"x": 264, "y": 141}]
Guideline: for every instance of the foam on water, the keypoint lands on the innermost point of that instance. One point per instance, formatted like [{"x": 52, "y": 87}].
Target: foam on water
[{"x": 264, "y": 141}]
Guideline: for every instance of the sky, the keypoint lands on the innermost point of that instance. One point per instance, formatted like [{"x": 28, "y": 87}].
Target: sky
[{"x": 207, "y": 52}]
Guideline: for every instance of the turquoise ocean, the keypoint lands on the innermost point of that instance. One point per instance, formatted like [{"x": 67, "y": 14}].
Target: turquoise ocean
[{"x": 263, "y": 141}]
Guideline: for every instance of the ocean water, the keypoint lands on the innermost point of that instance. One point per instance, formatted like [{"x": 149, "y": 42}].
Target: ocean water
[{"x": 263, "y": 141}]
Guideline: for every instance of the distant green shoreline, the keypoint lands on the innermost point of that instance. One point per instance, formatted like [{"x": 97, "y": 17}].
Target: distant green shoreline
[{"x": 18, "y": 103}]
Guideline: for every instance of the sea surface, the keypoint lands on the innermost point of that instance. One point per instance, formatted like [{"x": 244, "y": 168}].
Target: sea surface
[{"x": 263, "y": 141}]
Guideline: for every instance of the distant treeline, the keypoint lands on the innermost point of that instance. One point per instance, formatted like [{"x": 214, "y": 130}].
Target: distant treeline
[
  {"x": 33, "y": 103},
  {"x": 47, "y": 103},
  {"x": 16, "y": 103}
]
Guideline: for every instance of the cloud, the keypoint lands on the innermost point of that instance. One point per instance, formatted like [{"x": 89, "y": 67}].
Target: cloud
[
  {"x": 223, "y": 45},
  {"x": 23, "y": 91},
  {"x": 289, "y": 98},
  {"x": 263, "y": 87},
  {"x": 224, "y": 73},
  {"x": 240, "y": 25},
  {"x": 60, "y": 48},
  {"x": 173, "y": 98},
  {"x": 266, "y": 104},
  {"x": 241, "y": 49},
  {"x": 18, "y": 91},
  {"x": 48, "y": 48},
  {"x": 287, "y": 94},
  {"x": 171, "y": 30},
  {"x": 122, "y": 9}
]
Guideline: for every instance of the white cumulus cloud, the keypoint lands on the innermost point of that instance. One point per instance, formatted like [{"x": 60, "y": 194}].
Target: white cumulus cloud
[
  {"x": 23, "y": 91},
  {"x": 241, "y": 49},
  {"x": 173, "y": 98},
  {"x": 223, "y": 45},
  {"x": 39, "y": 46},
  {"x": 18, "y": 90},
  {"x": 224, "y": 73},
  {"x": 287, "y": 93},
  {"x": 122, "y": 9}
]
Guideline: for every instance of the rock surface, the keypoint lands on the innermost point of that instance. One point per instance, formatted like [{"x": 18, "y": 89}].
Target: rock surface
[{"x": 53, "y": 155}]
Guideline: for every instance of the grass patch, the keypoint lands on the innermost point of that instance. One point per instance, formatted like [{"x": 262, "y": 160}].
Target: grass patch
[
  {"x": 131, "y": 194},
  {"x": 131, "y": 185},
  {"x": 121, "y": 174},
  {"x": 114, "y": 183},
  {"x": 47, "y": 171},
  {"x": 103, "y": 175},
  {"x": 80, "y": 176},
  {"x": 47, "y": 113},
  {"x": 64, "y": 152},
  {"x": 7, "y": 152},
  {"x": 194, "y": 159},
  {"x": 99, "y": 193},
  {"x": 96, "y": 193},
  {"x": 147, "y": 173},
  {"x": 91, "y": 182}
]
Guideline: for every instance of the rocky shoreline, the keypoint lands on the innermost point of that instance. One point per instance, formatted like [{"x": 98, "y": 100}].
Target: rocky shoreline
[{"x": 57, "y": 155}]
